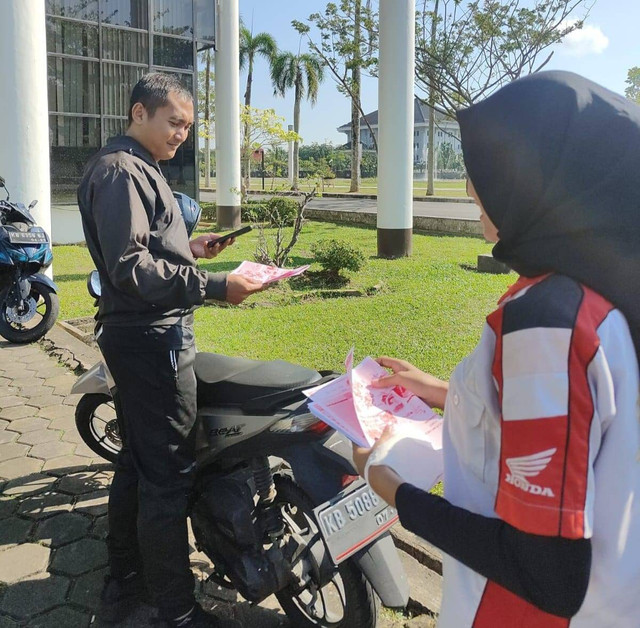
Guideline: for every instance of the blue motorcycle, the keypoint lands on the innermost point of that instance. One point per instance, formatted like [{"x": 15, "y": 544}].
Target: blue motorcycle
[{"x": 29, "y": 302}]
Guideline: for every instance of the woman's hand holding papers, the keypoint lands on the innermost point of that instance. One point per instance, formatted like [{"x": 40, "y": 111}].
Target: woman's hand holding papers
[{"x": 430, "y": 389}]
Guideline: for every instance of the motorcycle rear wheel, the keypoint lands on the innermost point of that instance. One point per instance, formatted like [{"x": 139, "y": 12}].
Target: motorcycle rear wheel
[
  {"x": 97, "y": 424},
  {"x": 348, "y": 601},
  {"x": 46, "y": 306}
]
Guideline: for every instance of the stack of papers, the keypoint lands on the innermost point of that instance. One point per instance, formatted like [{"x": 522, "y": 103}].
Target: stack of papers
[
  {"x": 266, "y": 274},
  {"x": 360, "y": 412}
]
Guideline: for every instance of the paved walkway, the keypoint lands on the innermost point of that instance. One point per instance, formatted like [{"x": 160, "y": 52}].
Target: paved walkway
[{"x": 53, "y": 505}]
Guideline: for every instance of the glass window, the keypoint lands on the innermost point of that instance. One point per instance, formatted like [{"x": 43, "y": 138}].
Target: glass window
[
  {"x": 205, "y": 19},
  {"x": 73, "y": 85},
  {"x": 173, "y": 53},
  {"x": 78, "y": 9},
  {"x": 119, "y": 80},
  {"x": 120, "y": 45},
  {"x": 73, "y": 140},
  {"x": 180, "y": 171},
  {"x": 173, "y": 17},
  {"x": 131, "y": 13},
  {"x": 71, "y": 38}
]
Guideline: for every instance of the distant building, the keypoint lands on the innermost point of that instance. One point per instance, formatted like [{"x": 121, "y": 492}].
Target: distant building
[{"x": 447, "y": 131}]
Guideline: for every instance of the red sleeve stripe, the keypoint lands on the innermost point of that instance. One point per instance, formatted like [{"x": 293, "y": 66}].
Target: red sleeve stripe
[{"x": 500, "y": 607}]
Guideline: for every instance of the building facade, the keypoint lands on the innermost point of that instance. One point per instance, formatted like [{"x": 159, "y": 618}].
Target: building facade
[
  {"x": 447, "y": 131},
  {"x": 96, "y": 51}
]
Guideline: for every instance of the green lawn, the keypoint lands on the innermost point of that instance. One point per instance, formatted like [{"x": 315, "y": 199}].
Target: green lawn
[
  {"x": 369, "y": 186},
  {"x": 430, "y": 308}
]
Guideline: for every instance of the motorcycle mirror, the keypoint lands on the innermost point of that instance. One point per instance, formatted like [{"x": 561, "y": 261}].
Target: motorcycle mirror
[
  {"x": 93, "y": 284},
  {"x": 1, "y": 182},
  {"x": 33, "y": 204}
]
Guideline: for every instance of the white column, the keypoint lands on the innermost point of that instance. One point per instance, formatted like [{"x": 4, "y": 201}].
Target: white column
[
  {"x": 395, "y": 123},
  {"x": 228, "y": 115},
  {"x": 290, "y": 158},
  {"x": 24, "y": 120}
]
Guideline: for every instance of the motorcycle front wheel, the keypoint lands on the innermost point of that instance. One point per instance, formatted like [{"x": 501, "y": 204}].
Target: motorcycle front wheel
[
  {"x": 348, "y": 601},
  {"x": 33, "y": 319},
  {"x": 97, "y": 424}
]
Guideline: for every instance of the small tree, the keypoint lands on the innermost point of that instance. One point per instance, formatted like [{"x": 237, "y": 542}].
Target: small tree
[
  {"x": 263, "y": 128},
  {"x": 274, "y": 248},
  {"x": 335, "y": 256}
]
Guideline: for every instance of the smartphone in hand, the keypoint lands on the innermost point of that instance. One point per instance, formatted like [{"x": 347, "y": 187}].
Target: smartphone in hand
[{"x": 228, "y": 236}]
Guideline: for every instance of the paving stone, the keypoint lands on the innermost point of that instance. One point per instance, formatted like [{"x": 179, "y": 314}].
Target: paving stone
[
  {"x": 5, "y": 622},
  {"x": 29, "y": 485},
  {"x": 57, "y": 411},
  {"x": 47, "y": 451},
  {"x": 12, "y": 450},
  {"x": 101, "y": 527},
  {"x": 34, "y": 596},
  {"x": 22, "y": 561},
  {"x": 12, "y": 400},
  {"x": 86, "y": 590},
  {"x": 51, "y": 371},
  {"x": 93, "y": 503},
  {"x": 68, "y": 424},
  {"x": 62, "y": 529},
  {"x": 62, "y": 617},
  {"x": 40, "y": 436},
  {"x": 71, "y": 400},
  {"x": 44, "y": 401},
  {"x": 3, "y": 424},
  {"x": 35, "y": 390},
  {"x": 83, "y": 450},
  {"x": 40, "y": 358},
  {"x": 64, "y": 465},
  {"x": 8, "y": 507},
  {"x": 19, "y": 467},
  {"x": 6, "y": 436},
  {"x": 23, "y": 382},
  {"x": 84, "y": 482},
  {"x": 61, "y": 380},
  {"x": 14, "y": 531},
  {"x": 16, "y": 412},
  {"x": 45, "y": 505},
  {"x": 72, "y": 436},
  {"x": 79, "y": 557},
  {"x": 28, "y": 425}
]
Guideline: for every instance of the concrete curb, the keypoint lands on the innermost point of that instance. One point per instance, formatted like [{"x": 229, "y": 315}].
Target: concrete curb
[
  {"x": 356, "y": 196},
  {"x": 430, "y": 224},
  {"x": 422, "y": 562}
]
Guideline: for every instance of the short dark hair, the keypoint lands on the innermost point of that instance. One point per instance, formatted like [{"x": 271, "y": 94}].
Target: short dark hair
[{"x": 153, "y": 90}]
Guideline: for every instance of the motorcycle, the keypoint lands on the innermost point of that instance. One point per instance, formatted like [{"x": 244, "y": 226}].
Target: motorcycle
[
  {"x": 29, "y": 302},
  {"x": 277, "y": 505}
]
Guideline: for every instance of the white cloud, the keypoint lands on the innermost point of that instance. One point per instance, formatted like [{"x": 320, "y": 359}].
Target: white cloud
[{"x": 585, "y": 41}]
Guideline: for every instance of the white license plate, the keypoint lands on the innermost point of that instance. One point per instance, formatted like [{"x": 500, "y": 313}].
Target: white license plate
[
  {"x": 27, "y": 237},
  {"x": 352, "y": 519}
]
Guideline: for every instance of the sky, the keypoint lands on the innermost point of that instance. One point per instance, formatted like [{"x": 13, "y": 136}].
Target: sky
[{"x": 603, "y": 51}]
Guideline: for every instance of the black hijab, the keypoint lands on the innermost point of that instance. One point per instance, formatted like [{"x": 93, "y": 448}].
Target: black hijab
[{"x": 555, "y": 161}]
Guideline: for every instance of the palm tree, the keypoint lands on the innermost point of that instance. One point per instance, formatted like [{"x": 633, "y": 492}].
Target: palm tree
[
  {"x": 303, "y": 73},
  {"x": 263, "y": 45}
]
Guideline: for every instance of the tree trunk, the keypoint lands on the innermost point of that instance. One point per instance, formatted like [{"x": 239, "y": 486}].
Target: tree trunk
[
  {"x": 432, "y": 111},
  {"x": 207, "y": 118},
  {"x": 247, "y": 150},
  {"x": 296, "y": 144},
  {"x": 355, "y": 102}
]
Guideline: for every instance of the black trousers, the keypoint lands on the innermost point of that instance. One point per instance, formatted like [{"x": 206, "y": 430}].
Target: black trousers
[{"x": 155, "y": 470}]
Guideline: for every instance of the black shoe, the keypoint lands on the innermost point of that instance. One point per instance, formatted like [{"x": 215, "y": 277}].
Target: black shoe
[
  {"x": 120, "y": 597},
  {"x": 198, "y": 618}
]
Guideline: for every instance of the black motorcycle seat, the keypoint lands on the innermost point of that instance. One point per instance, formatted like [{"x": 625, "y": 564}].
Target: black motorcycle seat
[{"x": 226, "y": 380}]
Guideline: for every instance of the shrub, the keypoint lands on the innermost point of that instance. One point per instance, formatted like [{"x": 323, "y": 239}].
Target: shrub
[
  {"x": 335, "y": 256},
  {"x": 278, "y": 211}
]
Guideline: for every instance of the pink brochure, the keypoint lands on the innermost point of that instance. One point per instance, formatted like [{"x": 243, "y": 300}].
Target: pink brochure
[
  {"x": 351, "y": 406},
  {"x": 266, "y": 274}
]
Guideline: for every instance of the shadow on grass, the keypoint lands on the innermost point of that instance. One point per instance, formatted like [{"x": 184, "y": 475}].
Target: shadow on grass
[{"x": 71, "y": 277}]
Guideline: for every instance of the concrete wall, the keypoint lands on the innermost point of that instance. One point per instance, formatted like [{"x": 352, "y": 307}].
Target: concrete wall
[{"x": 66, "y": 225}]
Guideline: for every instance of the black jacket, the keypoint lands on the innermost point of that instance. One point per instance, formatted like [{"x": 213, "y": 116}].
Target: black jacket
[{"x": 138, "y": 240}]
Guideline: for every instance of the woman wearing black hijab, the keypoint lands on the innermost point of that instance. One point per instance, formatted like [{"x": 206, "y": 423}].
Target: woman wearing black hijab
[{"x": 541, "y": 517}]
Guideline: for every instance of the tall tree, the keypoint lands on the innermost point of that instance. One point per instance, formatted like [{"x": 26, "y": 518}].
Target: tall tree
[
  {"x": 346, "y": 42},
  {"x": 251, "y": 46},
  {"x": 303, "y": 73},
  {"x": 633, "y": 81},
  {"x": 206, "y": 99},
  {"x": 483, "y": 44}
]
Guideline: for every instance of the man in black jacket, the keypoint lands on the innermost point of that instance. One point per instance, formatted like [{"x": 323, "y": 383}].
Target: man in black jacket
[{"x": 150, "y": 286}]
